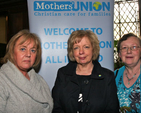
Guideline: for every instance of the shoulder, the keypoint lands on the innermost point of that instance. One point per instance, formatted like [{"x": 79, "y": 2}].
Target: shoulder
[
  {"x": 5, "y": 68},
  {"x": 4, "y": 82},
  {"x": 120, "y": 70},
  {"x": 102, "y": 70},
  {"x": 68, "y": 69},
  {"x": 37, "y": 76},
  {"x": 107, "y": 71},
  {"x": 118, "y": 73}
]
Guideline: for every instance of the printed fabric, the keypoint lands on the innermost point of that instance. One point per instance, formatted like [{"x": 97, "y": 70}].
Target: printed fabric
[{"x": 129, "y": 97}]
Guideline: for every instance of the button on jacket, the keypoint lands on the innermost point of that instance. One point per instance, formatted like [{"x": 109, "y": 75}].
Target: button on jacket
[{"x": 102, "y": 95}]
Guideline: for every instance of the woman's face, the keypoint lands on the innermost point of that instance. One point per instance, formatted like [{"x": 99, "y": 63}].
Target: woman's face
[
  {"x": 130, "y": 57},
  {"x": 24, "y": 54},
  {"x": 82, "y": 51}
]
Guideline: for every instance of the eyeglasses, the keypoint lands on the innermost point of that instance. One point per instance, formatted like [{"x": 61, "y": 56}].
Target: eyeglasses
[{"x": 133, "y": 48}]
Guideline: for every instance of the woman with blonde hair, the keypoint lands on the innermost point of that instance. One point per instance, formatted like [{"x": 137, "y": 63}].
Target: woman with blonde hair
[
  {"x": 22, "y": 90},
  {"x": 83, "y": 85}
]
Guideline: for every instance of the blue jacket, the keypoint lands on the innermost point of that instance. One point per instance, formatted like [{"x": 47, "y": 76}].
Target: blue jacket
[{"x": 119, "y": 74}]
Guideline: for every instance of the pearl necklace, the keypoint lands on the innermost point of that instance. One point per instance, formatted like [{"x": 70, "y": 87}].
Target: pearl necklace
[{"x": 130, "y": 78}]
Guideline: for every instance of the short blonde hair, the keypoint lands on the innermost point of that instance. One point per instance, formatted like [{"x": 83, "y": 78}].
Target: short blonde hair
[
  {"x": 26, "y": 35},
  {"x": 76, "y": 37}
]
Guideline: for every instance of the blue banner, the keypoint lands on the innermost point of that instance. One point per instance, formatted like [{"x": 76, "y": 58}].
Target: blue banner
[{"x": 54, "y": 21}]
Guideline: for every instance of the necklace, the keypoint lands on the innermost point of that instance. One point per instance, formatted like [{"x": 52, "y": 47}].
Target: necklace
[
  {"x": 130, "y": 78},
  {"x": 133, "y": 76}
]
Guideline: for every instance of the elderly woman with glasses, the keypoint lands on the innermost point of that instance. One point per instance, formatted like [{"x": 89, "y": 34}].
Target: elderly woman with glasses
[{"x": 128, "y": 77}]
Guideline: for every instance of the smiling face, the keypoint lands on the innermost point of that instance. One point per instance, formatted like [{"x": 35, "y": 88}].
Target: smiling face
[
  {"x": 130, "y": 57},
  {"x": 82, "y": 51},
  {"x": 24, "y": 54}
]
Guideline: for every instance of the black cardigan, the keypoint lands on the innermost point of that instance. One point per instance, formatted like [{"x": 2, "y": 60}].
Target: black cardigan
[{"x": 102, "y": 95}]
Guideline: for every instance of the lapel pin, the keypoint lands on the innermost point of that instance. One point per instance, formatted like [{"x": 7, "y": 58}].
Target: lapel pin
[{"x": 99, "y": 75}]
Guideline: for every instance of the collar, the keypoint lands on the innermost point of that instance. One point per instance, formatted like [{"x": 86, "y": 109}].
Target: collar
[
  {"x": 97, "y": 73},
  {"x": 31, "y": 87}
]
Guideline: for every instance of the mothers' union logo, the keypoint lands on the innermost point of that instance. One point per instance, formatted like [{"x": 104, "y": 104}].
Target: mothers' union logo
[{"x": 97, "y": 6}]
